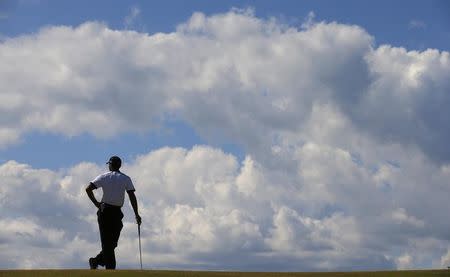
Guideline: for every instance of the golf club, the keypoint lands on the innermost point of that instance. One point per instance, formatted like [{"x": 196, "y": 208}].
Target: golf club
[{"x": 140, "y": 251}]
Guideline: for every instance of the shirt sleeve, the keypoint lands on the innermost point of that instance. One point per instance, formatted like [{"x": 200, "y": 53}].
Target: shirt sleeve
[
  {"x": 98, "y": 181},
  {"x": 129, "y": 185}
]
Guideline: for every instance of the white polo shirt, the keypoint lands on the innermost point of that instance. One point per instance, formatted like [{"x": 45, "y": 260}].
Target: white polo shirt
[{"x": 114, "y": 184}]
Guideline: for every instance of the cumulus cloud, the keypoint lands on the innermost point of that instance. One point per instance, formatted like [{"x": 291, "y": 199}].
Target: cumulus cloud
[
  {"x": 231, "y": 76},
  {"x": 346, "y": 161},
  {"x": 203, "y": 209}
]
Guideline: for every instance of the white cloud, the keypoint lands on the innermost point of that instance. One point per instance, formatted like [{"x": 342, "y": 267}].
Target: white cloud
[
  {"x": 404, "y": 261},
  {"x": 309, "y": 20},
  {"x": 231, "y": 76},
  {"x": 417, "y": 24},
  {"x": 346, "y": 159},
  {"x": 131, "y": 18},
  {"x": 445, "y": 260},
  {"x": 201, "y": 209}
]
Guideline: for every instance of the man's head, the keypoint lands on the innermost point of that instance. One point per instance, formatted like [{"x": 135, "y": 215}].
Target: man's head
[{"x": 114, "y": 163}]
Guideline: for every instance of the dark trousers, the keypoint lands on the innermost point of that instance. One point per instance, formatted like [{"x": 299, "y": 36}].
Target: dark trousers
[{"x": 110, "y": 225}]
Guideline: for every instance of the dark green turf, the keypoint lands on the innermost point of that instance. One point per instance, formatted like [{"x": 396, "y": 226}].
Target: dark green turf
[{"x": 158, "y": 273}]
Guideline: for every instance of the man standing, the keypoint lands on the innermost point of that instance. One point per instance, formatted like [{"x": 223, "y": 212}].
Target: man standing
[{"x": 114, "y": 184}]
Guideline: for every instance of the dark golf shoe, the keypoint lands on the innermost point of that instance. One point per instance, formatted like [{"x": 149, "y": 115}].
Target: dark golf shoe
[{"x": 92, "y": 263}]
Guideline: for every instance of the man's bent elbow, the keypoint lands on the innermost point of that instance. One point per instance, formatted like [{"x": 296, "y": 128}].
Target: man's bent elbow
[{"x": 90, "y": 187}]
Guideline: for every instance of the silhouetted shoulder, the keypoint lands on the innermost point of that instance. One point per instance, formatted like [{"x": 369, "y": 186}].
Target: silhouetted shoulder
[
  {"x": 105, "y": 174},
  {"x": 125, "y": 175},
  {"x": 100, "y": 177}
]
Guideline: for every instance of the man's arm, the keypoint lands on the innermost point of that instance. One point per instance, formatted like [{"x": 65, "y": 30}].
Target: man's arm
[
  {"x": 134, "y": 204},
  {"x": 90, "y": 193}
]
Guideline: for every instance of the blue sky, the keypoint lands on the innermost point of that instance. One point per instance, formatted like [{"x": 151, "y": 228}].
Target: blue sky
[
  {"x": 414, "y": 25},
  {"x": 389, "y": 22},
  {"x": 260, "y": 135}
]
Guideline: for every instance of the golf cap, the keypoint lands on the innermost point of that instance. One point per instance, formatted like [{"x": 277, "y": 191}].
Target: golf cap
[{"x": 115, "y": 161}]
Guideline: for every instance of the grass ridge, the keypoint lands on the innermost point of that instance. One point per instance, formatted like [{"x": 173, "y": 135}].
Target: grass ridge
[{"x": 176, "y": 273}]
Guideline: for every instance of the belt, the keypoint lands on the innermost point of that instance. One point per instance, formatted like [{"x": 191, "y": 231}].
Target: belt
[{"x": 109, "y": 206}]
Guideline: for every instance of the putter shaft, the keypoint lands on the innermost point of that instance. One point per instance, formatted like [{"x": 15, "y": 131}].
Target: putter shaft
[{"x": 140, "y": 250}]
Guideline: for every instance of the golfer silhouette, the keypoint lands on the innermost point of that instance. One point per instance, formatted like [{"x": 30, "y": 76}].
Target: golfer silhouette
[{"x": 114, "y": 184}]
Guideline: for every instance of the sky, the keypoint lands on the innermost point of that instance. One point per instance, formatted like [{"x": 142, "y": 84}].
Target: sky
[{"x": 260, "y": 135}]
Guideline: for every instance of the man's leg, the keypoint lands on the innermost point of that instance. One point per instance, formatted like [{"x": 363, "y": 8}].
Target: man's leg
[
  {"x": 110, "y": 226},
  {"x": 110, "y": 258},
  {"x": 110, "y": 223},
  {"x": 113, "y": 238},
  {"x": 106, "y": 256}
]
